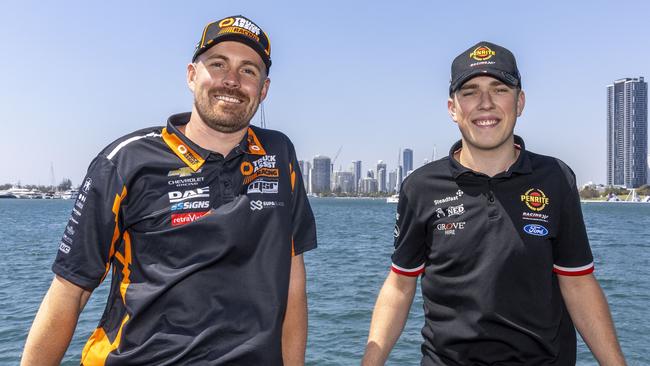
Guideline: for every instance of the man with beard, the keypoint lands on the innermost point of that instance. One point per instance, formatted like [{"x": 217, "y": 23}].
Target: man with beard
[
  {"x": 498, "y": 235},
  {"x": 203, "y": 223}
]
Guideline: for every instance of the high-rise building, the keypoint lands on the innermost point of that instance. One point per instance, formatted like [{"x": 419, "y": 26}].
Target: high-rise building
[
  {"x": 381, "y": 176},
  {"x": 627, "y": 132},
  {"x": 305, "y": 168},
  {"x": 392, "y": 181},
  {"x": 320, "y": 174},
  {"x": 407, "y": 160},
  {"x": 368, "y": 185},
  {"x": 356, "y": 169},
  {"x": 344, "y": 182}
]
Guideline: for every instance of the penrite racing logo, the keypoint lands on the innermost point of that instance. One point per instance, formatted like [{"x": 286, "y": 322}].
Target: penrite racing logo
[
  {"x": 482, "y": 53},
  {"x": 535, "y": 199}
]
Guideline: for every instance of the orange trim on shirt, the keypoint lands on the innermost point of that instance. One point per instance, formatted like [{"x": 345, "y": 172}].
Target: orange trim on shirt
[
  {"x": 184, "y": 152},
  {"x": 254, "y": 146}
]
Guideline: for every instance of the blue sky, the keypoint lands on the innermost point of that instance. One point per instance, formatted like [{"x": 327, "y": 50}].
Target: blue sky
[{"x": 371, "y": 77}]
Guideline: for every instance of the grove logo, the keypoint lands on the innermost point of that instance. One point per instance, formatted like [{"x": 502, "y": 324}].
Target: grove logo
[
  {"x": 535, "y": 199},
  {"x": 482, "y": 53}
]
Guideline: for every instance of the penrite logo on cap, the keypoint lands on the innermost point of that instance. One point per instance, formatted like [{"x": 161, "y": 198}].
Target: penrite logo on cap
[
  {"x": 535, "y": 199},
  {"x": 482, "y": 53}
]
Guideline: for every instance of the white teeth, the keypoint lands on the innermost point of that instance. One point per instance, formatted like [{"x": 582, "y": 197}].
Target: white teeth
[
  {"x": 228, "y": 99},
  {"x": 486, "y": 122}
]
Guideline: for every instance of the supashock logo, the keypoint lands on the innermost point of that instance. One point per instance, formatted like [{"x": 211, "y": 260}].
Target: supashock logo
[
  {"x": 535, "y": 199},
  {"x": 482, "y": 53}
]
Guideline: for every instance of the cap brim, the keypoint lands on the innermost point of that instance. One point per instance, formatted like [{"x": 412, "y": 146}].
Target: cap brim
[{"x": 498, "y": 74}]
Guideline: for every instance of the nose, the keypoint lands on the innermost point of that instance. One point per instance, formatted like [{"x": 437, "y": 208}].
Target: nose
[
  {"x": 231, "y": 79},
  {"x": 486, "y": 101}
]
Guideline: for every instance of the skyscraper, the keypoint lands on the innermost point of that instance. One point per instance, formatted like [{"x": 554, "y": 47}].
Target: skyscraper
[
  {"x": 408, "y": 160},
  {"x": 356, "y": 169},
  {"x": 305, "y": 168},
  {"x": 627, "y": 132},
  {"x": 320, "y": 174},
  {"x": 381, "y": 176}
]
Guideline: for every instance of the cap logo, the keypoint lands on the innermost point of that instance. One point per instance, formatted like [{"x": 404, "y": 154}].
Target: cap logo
[
  {"x": 226, "y": 22},
  {"x": 482, "y": 53}
]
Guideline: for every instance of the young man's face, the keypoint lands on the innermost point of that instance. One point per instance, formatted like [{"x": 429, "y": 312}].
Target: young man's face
[
  {"x": 486, "y": 110},
  {"x": 228, "y": 81}
]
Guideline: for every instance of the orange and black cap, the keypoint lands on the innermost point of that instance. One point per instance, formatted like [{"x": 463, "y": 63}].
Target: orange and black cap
[
  {"x": 484, "y": 58},
  {"x": 239, "y": 29}
]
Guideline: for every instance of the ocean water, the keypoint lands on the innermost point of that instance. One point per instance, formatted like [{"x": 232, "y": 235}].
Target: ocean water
[{"x": 344, "y": 276}]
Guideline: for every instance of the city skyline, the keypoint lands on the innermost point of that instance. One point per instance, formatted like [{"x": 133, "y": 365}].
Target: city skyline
[{"x": 74, "y": 81}]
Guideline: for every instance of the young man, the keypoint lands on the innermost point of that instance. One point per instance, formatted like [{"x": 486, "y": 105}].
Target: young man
[
  {"x": 498, "y": 234},
  {"x": 203, "y": 223}
]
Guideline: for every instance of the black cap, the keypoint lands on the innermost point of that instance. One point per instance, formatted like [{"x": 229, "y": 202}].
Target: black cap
[
  {"x": 484, "y": 58},
  {"x": 236, "y": 28}
]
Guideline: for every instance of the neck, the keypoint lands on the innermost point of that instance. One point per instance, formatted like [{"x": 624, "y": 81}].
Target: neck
[
  {"x": 221, "y": 142},
  {"x": 489, "y": 162}
]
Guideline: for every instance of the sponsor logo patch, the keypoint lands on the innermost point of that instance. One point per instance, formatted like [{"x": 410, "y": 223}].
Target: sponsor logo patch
[
  {"x": 534, "y": 229},
  {"x": 86, "y": 186},
  {"x": 190, "y": 205},
  {"x": 183, "y": 172},
  {"x": 263, "y": 186},
  {"x": 263, "y": 172},
  {"x": 535, "y": 199},
  {"x": 190, "y": 194},
  {"x": 440, "y": 213},
  {"x": 450, "y": 227},
  {"x": 186, "y": 218},
  {"x": 455, "y": 210},
  {"x": 257, "y": 205},
  {"x": 482, "y": 53},
  {"x": 459, "y": 194},
  {"x": 534, "y": 216},
  {"x": 396, "y": 231},
  {"x": 64, "y": 248}
]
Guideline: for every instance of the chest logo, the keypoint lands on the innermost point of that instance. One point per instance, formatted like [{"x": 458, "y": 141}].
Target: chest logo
[
  {"x": 451, "y": 227},
  {"x": 534, "y": 229},
  {"x": 455, "y": 210},
  {"x": 190, "y": 194},
  {"x": 535, "y": 199}
]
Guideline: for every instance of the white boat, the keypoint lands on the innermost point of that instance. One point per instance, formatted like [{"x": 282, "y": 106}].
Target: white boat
[
  {"x": 393, "y": 199},
  {"x": 70, "y": 194},
  {"x": 24, "y": 193}
]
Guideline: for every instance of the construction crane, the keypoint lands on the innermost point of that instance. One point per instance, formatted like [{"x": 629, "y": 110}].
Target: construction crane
[{"x": 336, "y": 156}]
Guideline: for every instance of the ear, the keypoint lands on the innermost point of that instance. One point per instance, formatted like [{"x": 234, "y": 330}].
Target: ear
[
  {"x": 451, "y": 108},
  {"x": 191, "y": 76},
  {"x": 265, "y": 89},
  {"x": 521, "y": 102}
]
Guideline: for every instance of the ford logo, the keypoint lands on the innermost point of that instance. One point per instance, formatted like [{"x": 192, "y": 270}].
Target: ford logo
[{"x": 534, "y": 229}]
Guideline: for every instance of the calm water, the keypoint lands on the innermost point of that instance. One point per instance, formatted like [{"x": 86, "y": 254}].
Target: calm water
[{"x": 344, "y": 277}]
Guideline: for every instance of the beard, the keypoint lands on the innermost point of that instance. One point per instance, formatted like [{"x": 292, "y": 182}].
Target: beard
[{"x": 226, "y": 118}]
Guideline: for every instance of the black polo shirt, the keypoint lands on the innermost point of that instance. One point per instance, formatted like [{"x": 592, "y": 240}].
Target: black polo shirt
[
  {"x": 490, "y": 249},
  {"x": 200, "y": 247}
]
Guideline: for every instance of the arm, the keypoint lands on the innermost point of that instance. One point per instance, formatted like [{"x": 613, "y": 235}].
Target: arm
[
  {"x": 389, "y": 317},
  {"x": 54, "y": 324},
  {"x": 294, "y": 328},
  {"x": 590, "y": 314}
]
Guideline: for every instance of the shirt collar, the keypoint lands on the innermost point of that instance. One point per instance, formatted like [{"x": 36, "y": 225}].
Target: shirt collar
[
  {"x": 194, "y": 155},
  {"x": 521, "y": 166}
]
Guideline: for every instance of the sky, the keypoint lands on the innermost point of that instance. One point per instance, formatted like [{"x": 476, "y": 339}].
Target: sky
[{"x": 368, "y": 77}]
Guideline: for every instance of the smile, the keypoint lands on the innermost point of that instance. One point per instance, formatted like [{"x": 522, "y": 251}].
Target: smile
[
  {"x": 228, "y": 99},
  {"x": 486, "y": 122}
]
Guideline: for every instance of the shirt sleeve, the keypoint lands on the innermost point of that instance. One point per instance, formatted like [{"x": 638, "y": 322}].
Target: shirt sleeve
[
  {"x": 410, "y": 236},
  {"x": 572, "y": 255},
  {"x": 93, "y": 228},
  {"x": 304, "y": 225}
]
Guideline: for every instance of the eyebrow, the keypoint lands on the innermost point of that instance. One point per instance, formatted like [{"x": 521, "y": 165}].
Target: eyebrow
[
  {"x": 469, "y": 85},
  {"x": 226, "y": 58}
]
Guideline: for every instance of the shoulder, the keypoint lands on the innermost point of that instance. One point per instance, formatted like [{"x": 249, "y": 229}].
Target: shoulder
[
  {"x": 132, "y": 143},
  {"x": 427, "y": 175},
  {"x": 543, "y": 164},
  {"x": 271, "y": 137}
]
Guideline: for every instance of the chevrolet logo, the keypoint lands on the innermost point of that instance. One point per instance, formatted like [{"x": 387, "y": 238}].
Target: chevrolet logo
[{"x": 182, "y": 172}]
